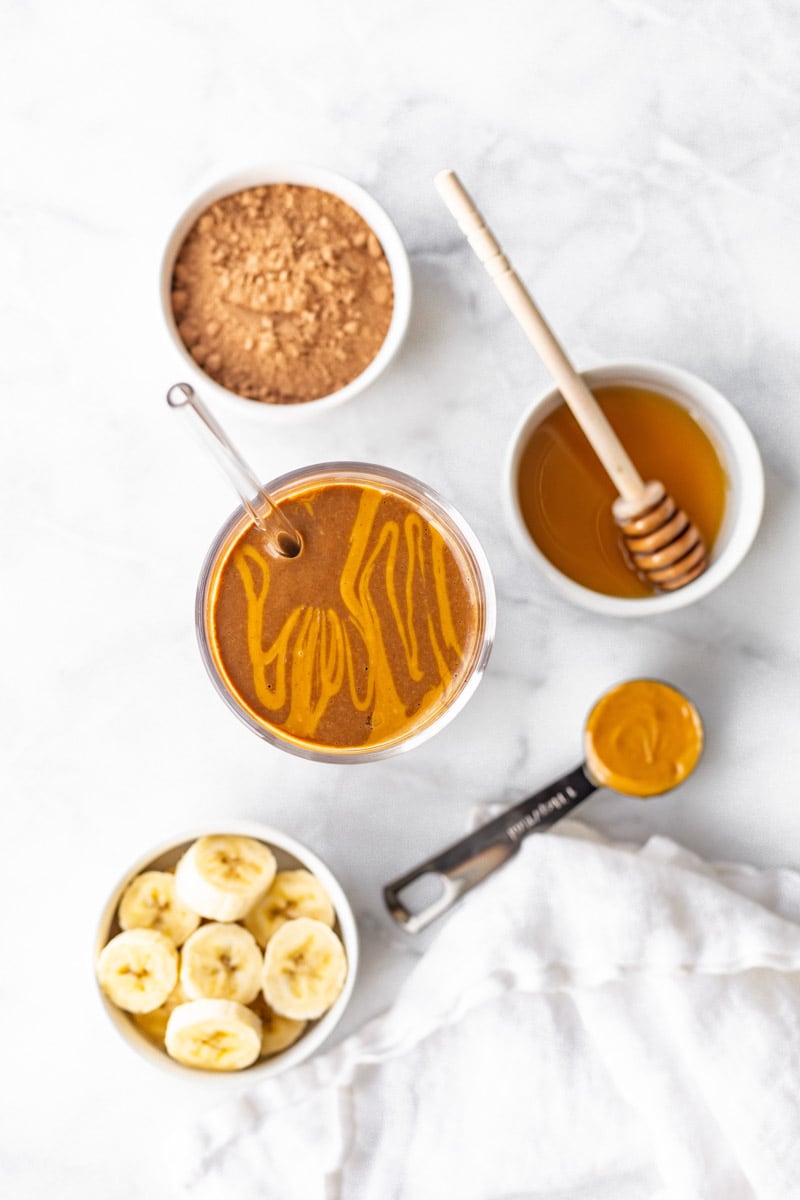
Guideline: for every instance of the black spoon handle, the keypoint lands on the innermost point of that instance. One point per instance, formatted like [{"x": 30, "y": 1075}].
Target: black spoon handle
[{"x": 468, "y": 861}]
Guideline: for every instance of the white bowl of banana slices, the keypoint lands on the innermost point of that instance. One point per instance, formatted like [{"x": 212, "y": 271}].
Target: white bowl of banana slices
[{"x": 223, "y": 952}]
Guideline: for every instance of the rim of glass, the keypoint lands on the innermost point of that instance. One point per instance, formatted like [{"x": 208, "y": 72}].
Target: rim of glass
[{"x": 474, "y": 558}]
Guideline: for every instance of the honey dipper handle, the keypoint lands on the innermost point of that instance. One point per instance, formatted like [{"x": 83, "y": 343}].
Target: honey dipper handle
[{"x": 586, "y": 410}]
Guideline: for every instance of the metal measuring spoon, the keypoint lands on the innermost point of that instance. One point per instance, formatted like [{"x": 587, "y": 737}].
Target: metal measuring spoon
[{"x": 629, "y": 746}]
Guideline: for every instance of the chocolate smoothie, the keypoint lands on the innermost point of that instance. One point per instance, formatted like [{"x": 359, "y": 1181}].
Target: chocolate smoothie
[{"x": 364, "y": 637}]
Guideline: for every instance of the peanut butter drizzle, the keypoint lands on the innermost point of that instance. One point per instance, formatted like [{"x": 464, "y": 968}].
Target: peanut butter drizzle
[
  {"x": 643, "y": 738},
  {"x": 307, "y": 664}
]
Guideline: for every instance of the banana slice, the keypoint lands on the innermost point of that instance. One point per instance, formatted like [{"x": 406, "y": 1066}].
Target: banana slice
[
  {"x": 221, "y": 962},
  {"x": 277, "y": 1033},
  {"x": 150, "y": 902},
  {"x": 304, "y": 969},
  {"x": 154, "y": 1024},
  {"x": 138, "y": 969},
  {"x": 222, "y": 876},
  {"x": 217, "y": 1035},
  {"x": 292, "y": 894}
]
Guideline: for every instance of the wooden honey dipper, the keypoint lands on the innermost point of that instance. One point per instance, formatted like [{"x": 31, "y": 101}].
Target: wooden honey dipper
[{"x": 662, "y": 544}]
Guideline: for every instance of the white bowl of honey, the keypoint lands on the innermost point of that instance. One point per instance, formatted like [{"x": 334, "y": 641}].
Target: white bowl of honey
[{"x": 678, "y": 429}]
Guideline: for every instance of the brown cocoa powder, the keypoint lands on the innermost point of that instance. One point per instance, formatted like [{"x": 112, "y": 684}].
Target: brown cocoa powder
[{"x": 282, "y": 293}]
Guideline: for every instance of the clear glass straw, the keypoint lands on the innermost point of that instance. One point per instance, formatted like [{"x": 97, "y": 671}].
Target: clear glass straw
[{"x": 282, "y": 539}]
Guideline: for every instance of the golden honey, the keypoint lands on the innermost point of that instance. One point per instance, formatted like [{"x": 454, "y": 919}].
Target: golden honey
[{"x": 566, "y": 497}]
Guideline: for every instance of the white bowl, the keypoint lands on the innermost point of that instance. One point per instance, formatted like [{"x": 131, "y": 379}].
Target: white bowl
[
  {"x": 290, "y": 854},
  {"x": 734, "y": 444},
  {"x": 327, "y": 181}
]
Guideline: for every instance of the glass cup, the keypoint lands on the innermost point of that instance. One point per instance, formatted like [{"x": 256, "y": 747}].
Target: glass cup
[{"x": 473, "y": 569}]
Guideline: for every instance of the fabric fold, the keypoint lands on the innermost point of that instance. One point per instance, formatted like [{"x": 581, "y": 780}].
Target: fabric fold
[{"x": 595, "y": 1016}]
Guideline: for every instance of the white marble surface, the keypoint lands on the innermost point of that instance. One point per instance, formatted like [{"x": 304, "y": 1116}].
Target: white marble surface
[{"x": 640, "y": 159}]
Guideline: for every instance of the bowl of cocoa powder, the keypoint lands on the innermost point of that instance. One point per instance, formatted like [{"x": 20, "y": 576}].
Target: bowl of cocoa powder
[{"x": 286, "y": 290}]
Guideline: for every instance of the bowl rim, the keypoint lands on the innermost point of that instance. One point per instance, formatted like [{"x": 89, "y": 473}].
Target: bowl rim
[
  {"x": 733, "y": 440},
  {"x": 304, "y": 175},
  {"x": 320, "y": 1031},
  {"x": 471, "y": 550}
]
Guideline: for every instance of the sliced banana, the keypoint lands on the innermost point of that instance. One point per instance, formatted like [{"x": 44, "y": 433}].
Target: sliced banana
[
  {"x": 138, "y": 969},
  {"x": 222, "y": 876},
  {"x": 217, "y": 1035},
  {"x": 154, "y": 1024},
  {"x": 277, "y": 1033},
  {"x": 292, "y": 894},
  {"x": 304, "y": 969},
  {"x": 150, "y": 902},
  {"x": 221, "y": 962}
]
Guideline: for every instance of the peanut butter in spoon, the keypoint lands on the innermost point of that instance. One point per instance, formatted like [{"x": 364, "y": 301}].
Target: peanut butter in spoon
[{"x": 642, "y": 738}]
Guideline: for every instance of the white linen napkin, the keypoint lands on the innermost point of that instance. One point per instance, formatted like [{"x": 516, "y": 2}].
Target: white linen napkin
[{"x": 596, "y": 1022}]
